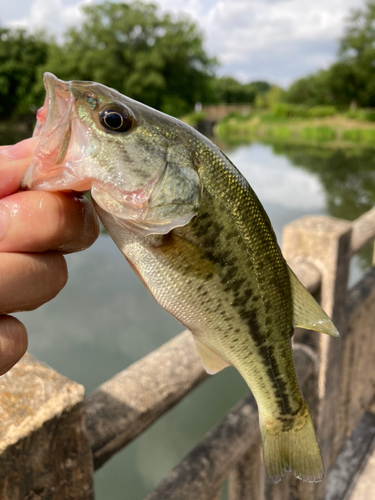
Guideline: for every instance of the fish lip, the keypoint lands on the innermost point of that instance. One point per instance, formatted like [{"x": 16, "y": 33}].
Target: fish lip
[
  {"x": 54, "y": 129},
  {"x": 55, "y": 104},
  {"x": 49, "y": 80}
]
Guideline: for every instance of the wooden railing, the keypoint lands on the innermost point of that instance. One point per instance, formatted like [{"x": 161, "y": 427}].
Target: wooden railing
[{"x": 52, "y": 438}]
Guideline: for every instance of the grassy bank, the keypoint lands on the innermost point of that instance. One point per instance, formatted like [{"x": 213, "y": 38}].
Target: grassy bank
[{"x": 333, "y": 130}]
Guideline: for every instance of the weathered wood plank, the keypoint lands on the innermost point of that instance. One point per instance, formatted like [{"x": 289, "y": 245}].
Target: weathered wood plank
[
  {"x": 363, "y": 231},
  {"x": 348, "y": 467},
  {"x": 357, "y": 387},
  {"x": 216, "y": 496},
  {"x": 246, "y": 478},
  {"x": 307, "y": 273},
  {"x": 124, "y": 406}
]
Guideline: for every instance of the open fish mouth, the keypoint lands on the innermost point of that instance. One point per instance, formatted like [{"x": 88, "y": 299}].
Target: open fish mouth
[{"x": 62, "y": 143}]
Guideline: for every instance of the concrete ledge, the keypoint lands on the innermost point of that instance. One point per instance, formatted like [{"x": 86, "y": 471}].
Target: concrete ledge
[{"x": 44, "y": 451}]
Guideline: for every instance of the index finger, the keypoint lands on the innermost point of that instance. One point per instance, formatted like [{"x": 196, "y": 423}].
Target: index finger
[{"x": 14, "y": 161}]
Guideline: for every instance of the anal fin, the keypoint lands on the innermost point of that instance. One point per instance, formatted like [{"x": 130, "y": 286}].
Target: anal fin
[
  {"x": 307, "y": 313},
  {"x": 211, "y": 362}
]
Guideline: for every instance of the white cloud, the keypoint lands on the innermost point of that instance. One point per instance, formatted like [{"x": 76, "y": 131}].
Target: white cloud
[
  {"x": 240, "y": 32},
  {"x": 276, "y": 181},
  {"x": 53, "y": 15}
]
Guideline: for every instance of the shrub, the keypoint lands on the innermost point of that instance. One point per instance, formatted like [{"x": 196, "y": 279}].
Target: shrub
[
  {"x": 368, "y": 135},
  {"x": 318, "y": 133},
  {"x": 279, "y": 133},
  {"x": 353, "y": 135},
  {"x": 284, "y": 110},
  {"x": 363, "y": 115},
  {"x": 359, "y": 135},
  {"x": 321, "y": 111}
]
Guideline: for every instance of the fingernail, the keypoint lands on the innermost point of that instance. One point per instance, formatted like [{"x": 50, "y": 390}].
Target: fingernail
[{"x": 4, "y": 220}]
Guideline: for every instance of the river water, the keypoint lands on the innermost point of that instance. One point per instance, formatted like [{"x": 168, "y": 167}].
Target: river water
[{"x": 105, "y": 319}]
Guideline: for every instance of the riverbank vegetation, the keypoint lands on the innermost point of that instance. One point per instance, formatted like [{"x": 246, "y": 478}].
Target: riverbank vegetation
[{"x": 323, "y": 126}]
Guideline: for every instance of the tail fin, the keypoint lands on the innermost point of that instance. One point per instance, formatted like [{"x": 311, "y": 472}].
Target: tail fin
[{"x": 290, "y": 445}]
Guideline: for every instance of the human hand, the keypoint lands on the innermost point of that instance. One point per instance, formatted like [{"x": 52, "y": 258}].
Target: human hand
[{"x": 36, "y": 228}]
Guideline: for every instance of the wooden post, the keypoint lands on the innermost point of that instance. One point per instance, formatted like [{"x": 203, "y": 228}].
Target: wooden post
[
  {"x": 245, "y": 480},
  {"x": 44, "y": 452},
  {"x": 326, "y": 243},
  {"x": 358, "y": 376},
  {"x": 217, "y": 496}
]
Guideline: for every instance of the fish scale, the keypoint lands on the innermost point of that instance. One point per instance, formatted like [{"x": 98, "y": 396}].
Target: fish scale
[{"x": 197, "y": 236}]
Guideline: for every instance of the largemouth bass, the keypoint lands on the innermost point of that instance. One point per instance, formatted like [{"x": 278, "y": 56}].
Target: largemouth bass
[{"x": 197, "y": 236}]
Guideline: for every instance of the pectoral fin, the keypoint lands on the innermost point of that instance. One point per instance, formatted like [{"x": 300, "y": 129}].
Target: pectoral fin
[
  {"x": 307, "y": 313},
  {"x": 211, "y": 362}
]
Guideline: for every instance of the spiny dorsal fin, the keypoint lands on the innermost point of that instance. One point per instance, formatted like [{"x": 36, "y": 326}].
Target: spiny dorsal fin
[
  {"x": 211, "y": 362},
  {"x": 307, "y": 313}
]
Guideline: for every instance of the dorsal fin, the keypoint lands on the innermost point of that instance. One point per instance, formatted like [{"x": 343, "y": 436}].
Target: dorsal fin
[
  {"x": 211, "y": 362},
  {"x": 307, "y": 313}
]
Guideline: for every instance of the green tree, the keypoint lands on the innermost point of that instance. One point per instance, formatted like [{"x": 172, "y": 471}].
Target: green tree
[
  {"x": 351, "y": 79},
  {"x": 20, "y": 55},
  {"x": 339, "y": 85},
  {"x": 357, "y": 52},
  {"x": 227, "y": 89},
  {"x": 269, "y": 98},
  {"x": 311, "y": 90},
  {"x": 261, "y": 86},
  {"x": 133, "y": 48}
]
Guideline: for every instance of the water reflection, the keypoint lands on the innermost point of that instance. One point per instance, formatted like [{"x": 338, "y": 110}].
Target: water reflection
[{"x": 347, "y": 177}]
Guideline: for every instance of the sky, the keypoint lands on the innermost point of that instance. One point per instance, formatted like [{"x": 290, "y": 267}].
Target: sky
[{"x": 274, "y": 40}]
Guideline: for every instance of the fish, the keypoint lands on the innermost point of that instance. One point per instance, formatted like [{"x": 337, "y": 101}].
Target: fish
[{"x": 197, "y": 236}]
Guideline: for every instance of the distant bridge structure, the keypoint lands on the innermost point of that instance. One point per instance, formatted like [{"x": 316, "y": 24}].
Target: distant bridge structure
[{"x": 216, "y": 112}]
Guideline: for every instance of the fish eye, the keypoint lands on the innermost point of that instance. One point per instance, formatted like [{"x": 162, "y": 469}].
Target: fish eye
[{"x": 116, "y": 119}]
